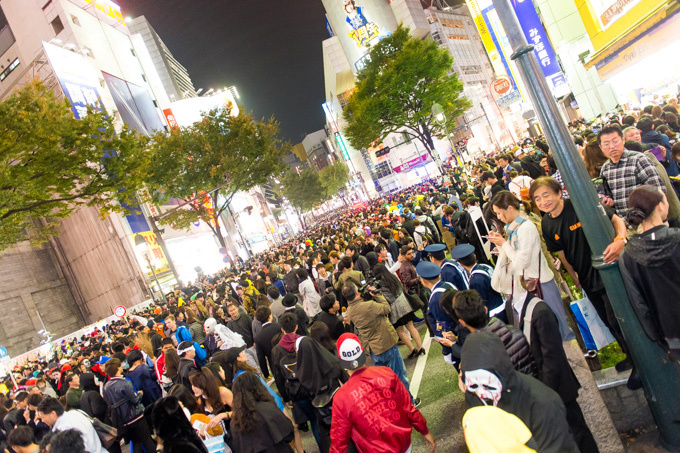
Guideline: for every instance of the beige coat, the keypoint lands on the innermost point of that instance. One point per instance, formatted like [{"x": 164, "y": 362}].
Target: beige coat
[{"x": 372, "y": 324}]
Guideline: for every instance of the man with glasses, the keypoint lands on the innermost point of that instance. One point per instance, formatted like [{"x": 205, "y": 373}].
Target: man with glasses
[{"x": 625, "y": 170}]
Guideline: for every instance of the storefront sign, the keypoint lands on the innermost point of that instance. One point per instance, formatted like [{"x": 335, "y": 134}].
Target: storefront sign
[
  {"x": 609, "y": 11},
  {"x": 105, "y": 9},
  {"x": 170, "y": 118},
  {"x": 156, "y": 255},
  {"x": 78, "y": 79},
  {"x": 501, "y": 85},
  {"x": 642, "y": 47},
  {"x": 536, "y": 35}
]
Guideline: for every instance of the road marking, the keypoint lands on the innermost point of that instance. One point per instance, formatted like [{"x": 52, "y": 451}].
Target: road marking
[{"x": 420, "y": 367}]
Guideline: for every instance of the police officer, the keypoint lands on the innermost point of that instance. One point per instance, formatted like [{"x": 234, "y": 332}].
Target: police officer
[
  {"x": 480, "y": 279},
  {"x": 429, "y": 277},
  {"x": 451, "y": 271}
]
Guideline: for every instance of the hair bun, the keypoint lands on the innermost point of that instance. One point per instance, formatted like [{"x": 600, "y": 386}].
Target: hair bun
[{"x": 635, "y": 216}]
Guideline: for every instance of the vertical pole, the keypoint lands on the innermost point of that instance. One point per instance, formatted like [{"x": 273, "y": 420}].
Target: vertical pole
[
  {"x": 493, "y": 134},
  {"x": 660, "y": 377}
]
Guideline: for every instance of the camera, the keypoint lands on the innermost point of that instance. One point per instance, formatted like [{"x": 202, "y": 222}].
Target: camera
[{"x": 364, "y": 291}]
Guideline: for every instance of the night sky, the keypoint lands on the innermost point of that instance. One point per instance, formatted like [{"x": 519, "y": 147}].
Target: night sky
[{"x": 269, "y": 49}]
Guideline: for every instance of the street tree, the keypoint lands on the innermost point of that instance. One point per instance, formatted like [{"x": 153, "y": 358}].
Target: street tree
[
  {"x": 206, "y": 164},
  {"x": 304, "y": 191},
  {"x": 51, "y": 163},
  {"x": 333, "y": 179},
  {"x": 397, "y": 88}
]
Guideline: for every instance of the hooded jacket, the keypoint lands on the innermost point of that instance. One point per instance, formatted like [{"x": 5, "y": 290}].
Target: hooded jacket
[
  {"x": 538, "y": 406},
  {"x": 650, "y": 265},
  {"x": 91, "y": 401}
]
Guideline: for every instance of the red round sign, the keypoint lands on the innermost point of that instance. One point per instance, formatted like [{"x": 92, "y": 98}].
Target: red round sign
[
  {"x": 502, "y": 85},
  {"x": 120, "y": 311}
]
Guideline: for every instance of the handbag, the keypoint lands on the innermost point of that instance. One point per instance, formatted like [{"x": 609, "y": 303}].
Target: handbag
[
  {"x": 108, "y": 435},
  {"x": 533, "y": 285},
  {"x": 414, "y": 299}
]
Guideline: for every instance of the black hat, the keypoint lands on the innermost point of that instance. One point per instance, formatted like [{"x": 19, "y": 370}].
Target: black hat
[
  {"x": 289, "y": 300},
  {"x": 231, "y": 354}
]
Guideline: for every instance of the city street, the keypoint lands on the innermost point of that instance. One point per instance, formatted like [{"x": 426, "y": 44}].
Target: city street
[{"x": 339, "y": 225}]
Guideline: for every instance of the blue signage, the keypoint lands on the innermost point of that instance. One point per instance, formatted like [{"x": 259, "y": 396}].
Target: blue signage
[
  {"x": 536, "y": 35},
  {"x": 81, "y": 96},
  {"x": 329, "y": 28},
  {"x": 3, "y": 352}
]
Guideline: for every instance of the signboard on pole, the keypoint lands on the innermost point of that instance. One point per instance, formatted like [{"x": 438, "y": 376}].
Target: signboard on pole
[{"x": 120, "y": 311}]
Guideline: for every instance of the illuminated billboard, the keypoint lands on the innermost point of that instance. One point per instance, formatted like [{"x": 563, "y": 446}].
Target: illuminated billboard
[
  {"x": 188, "y": 111},
  {"x": 105, "y": 10},
  {"x": 358, "y": 24}
]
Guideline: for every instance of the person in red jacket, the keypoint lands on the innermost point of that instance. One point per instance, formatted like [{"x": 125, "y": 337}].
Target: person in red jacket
[{"x": 373, "y": 409}]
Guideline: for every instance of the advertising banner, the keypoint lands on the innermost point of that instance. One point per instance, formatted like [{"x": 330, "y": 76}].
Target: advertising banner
[
  {"x": 77, "y": 78},
  {"x": 502, "y": 45},
  {"x": 156, "y": 255},
  {"x": 359, "y": 24},
  {"x": 609, "y": 11}
]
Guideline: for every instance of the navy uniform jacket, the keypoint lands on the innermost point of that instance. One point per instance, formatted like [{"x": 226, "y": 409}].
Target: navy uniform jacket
[
  {"x": 453, "y": 273},
  {"x": 480, "y": 281},
  {"x": 436, "y": 315}
]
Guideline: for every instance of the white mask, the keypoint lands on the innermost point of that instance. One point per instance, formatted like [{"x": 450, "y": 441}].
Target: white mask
[{"x": 485, "y": 385}]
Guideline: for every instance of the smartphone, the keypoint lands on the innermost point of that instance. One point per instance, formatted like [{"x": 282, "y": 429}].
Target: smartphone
[{"x": 439, "y": 338}]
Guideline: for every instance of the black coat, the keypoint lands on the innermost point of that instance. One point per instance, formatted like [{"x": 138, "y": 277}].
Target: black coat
[
  {"x": 264, "y": 346},
  {"x": 272, "y": 435},
  {"x": 334, "y": 323},
  {"x": 537, "y": 405},
  {"x": 548, "y": 353}
]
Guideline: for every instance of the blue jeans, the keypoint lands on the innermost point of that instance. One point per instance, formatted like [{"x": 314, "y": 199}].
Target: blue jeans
[{"x": 393, "y": 360}]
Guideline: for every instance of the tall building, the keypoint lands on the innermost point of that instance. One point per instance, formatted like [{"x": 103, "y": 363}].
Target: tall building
[
  {"x": 174, "y": 76},
  {"x": 356, "y": 25},
  {"x": 317, "y": 149},
  {"x": 83, "y": 50}
]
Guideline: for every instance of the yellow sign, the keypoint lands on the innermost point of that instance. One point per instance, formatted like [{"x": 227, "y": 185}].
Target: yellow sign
[
  {"x": 487, "y": 40},
  {"x": 652, "y": 41},
  {"x": 156, "y": 255},
  {"x": 608, "y": 21},
  {"x": 109, "y": 8}
]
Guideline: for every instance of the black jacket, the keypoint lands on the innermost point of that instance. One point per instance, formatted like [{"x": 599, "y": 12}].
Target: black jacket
[
  {"x": 546, "y": 348},
  {"x": 538, "y": 406},
  {"x": 515, "y": 344},
  {"x": 334, "y": 323},
  {"x": 185, "y": 368},
  {"x": 264, "y": 346},
  {"x": 273, "y": 434},
  {"x": 650, "y": 265},
  {"x": 360, "y": 263},
  {"x": 118, "y": 390}
]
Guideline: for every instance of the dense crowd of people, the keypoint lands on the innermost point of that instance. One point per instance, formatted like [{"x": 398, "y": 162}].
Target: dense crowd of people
[{"x": 305, "y": 337}]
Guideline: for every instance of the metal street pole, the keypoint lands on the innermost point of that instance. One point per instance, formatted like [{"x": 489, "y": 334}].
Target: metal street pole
[
  {"x": 493, "y": 134},
  {"x": 660, "y": 377},
  {"x": 155, "y": 277}
]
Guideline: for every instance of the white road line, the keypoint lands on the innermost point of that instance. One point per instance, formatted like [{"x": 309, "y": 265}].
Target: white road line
[{"x": 420, "y": 367}]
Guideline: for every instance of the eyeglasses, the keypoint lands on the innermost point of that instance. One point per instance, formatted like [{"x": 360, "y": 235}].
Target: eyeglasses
[{"x": 611, "y": 143}]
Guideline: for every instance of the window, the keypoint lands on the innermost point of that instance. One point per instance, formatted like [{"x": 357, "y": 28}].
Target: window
[
  {"x": 155, "y": 104},
  {"x": 57, "y": 25},
  {"x": 9, "y": 69},
  {"x": 46, "y": 5},
  {"x": 75, "y": 20},
  {"x": 143, "y": 77}
]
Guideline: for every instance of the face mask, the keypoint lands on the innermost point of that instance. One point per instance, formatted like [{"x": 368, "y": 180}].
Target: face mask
[{"x": 485, "y": 385}]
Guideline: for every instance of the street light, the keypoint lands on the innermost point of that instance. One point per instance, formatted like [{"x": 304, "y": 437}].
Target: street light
[
  {"x": 143, "y": 249},
  {"x": 440, "y": 117}
]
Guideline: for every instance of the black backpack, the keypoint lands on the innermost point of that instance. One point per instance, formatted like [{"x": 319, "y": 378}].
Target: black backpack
[{"x": 288, "y": 365}]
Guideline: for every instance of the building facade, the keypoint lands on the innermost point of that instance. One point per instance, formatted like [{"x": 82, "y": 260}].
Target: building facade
[{"x": 173, "y": 75}]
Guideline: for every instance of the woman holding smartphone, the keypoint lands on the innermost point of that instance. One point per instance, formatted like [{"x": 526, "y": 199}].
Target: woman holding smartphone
[{"x": 521, "y": 265}]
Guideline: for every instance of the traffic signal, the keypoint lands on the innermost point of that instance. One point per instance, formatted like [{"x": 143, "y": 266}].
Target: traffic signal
[{"x": 382, "y": 152}]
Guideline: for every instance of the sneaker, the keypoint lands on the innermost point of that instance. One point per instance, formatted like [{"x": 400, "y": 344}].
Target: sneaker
[
  {"x": 416, "y": 402},
  {"x": 624, "y": 365}
]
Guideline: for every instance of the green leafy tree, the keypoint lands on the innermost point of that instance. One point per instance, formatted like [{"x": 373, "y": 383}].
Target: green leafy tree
[
  {"x": 333, "y": 179},
  {"x": 397, "y": 88},
  {"x": 51, "y": 163},
  {"x": 303, "y": 191},
  {"x": 206, "y": 164}
]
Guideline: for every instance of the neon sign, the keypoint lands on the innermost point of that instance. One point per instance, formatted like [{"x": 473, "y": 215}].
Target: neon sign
[{"x": 109, "y": 8}]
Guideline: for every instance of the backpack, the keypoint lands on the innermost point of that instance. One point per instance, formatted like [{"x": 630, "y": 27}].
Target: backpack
[
  {"x": 288, "y": 365},
  {"x": 427, "y": 236}
]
